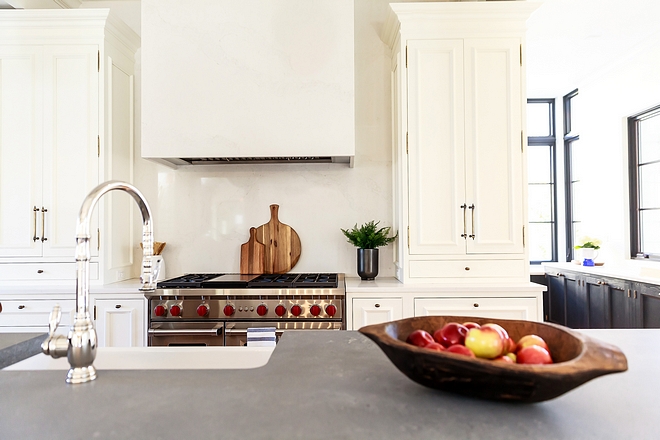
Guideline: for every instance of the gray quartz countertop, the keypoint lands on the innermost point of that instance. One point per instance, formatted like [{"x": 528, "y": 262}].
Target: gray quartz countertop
[
  {"x": 324, "y": 385},
  {"x": 15, "y": 347}
]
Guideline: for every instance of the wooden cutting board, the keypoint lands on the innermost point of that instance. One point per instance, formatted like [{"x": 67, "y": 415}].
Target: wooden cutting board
[
  {"x": 282, "y": 244},
  {"x": 252, "y": 255}
]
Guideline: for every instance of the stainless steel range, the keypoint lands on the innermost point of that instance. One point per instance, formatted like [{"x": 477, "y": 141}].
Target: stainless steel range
[{"x": 218, "y": 309}]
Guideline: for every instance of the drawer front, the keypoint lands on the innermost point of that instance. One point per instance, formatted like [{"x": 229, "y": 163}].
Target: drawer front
[
  {"x": 467, "y": 269},
  {"x": 35, "y": 313},
  {"x": 497, "y": 308},
  {"x": 44, "y": 271},
  {"x": 368, "y": 311}
]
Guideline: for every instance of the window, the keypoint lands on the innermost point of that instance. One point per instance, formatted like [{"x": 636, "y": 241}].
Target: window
[
  {"x": 573, "y": 163},
  {"x": 541, "y": 163},
  {"x": 644, "y": 174}
]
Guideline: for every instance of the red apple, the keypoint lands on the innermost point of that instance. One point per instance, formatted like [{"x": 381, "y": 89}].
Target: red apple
[
  {"x": 470, "y": 325},
  {"x": 528, "y": 340},
  {"x": 435, "y": 346},
  {"x": 534, "y": 354},
  {"x": 460, "y": 349},
  {"x": 486, "y": 342},
  {"x": 420, "y": 338},
  {"x": 511, "y": 345},
  {"x": 505, "y": 358},
  {"x": 450, "y": 334}
]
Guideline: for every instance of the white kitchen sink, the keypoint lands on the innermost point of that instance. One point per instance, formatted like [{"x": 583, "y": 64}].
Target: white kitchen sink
[{"x": 159, "y": 358}]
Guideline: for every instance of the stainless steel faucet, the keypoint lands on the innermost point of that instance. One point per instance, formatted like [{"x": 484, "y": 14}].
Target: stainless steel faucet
[{"x": 79, "y": 346}]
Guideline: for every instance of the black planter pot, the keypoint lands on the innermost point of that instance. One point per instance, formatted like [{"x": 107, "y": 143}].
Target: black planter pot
[{"x": 367, "y": 263}]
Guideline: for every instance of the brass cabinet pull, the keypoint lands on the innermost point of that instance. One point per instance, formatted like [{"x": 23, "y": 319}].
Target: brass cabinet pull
[
  {"x": 43, "y": 224},
  {"x": 464, "y": 234},
  {"x": 34, "y": 212},
  {"x": 635, "y": 293},
  {"x": 601, "y": 283},
  {"x": 118, "y": 306},
  {"x": 628, "y": 293},
  {"x": 21, "y": 307},
  {"x": 472, "y": 208}
]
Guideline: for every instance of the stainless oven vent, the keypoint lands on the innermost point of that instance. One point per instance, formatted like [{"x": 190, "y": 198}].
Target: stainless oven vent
[{"x": 256, "y": 160}]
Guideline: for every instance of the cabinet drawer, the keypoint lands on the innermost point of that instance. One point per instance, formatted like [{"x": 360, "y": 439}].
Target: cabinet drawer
[
  {"x": 467, "y": 269},
  {"x": 35, "y": 313},
  {"x": 44, "y": 271},
  {"x": 502, "y": 308},
  {"x": 368, "y": 311}
]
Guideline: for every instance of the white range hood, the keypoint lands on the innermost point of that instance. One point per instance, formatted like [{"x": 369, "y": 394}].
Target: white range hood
[{"x": 227, "y": 81}]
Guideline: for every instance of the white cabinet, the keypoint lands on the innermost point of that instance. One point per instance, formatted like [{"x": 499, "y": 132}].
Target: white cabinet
[
  {"x": 66, "y": 101},
  {"x": 459, "y": 146},
  {"x": 120, "y": 322},
  {"x": 31, "y": 315},
  {"x": 367, "y": 311},
  {"x": 480, "y": 307}
]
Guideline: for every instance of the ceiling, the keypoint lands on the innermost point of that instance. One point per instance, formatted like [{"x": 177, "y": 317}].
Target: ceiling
[{"x": 567, "y": 40}]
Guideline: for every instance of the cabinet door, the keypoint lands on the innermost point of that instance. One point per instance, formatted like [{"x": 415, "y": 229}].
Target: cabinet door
[
  {"x": 120, "y": 323},
  {"x": 367, "y": 311},
  {"x": 493, "y": 145},
  {"x": 649, "y": 301},
  {"x": 622, "y": 305},
  {"x": 26, "y": 316},
  {"x": 21, "y": 104},
  {"x": 71, "y": 142},
  {"x": 504, "y": 308},
  {"x": 577, "y": 307},
  {"x": 556, "y": 299},
  {"x": 435, "y": 147},
  {"x": 598, "y": 298}
]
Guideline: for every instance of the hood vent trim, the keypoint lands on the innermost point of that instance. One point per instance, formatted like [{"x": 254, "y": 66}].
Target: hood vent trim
[{"x": 258, "y": 160}]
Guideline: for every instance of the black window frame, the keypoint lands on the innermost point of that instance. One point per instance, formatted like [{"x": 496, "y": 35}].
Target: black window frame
[
  {"x": 636, "y": 250},
  {"x": 569, "y": 139},
  {"x": 550, "y": 141}
]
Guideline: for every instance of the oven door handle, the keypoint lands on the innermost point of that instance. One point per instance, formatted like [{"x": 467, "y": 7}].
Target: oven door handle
[
  {"x": 186, "y": 332},
  {"x": 242, "y": 331}
]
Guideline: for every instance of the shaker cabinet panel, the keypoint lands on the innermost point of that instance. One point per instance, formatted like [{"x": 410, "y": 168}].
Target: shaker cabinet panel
[
  {"x": 497, "y": 308},
  {"x": 120, "y": 322},
  {"x": 368, "y": 311}
]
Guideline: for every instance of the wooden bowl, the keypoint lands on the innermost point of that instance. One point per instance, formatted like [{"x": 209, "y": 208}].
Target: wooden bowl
[{"x": 577, "y": 359}]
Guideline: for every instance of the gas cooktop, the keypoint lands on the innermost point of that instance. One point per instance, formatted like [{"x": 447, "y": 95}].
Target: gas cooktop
[{"x": 257, "y": 281}]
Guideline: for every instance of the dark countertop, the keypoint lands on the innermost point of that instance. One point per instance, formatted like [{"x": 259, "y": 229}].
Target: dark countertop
[
  {"x": 15, "y": 347},
  {"x": 318, "y": 385}
]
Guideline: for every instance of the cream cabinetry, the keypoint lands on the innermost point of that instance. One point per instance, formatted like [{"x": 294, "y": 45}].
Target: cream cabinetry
[
  {"x": 66, "y": 106},
  {"x": 120, "y": 321},
  {"x": 480, "y": 307},
  {"x": 30, "y": 314},
  {"x": 459, "y": 145},
  {"x": 367, "y": 311}
]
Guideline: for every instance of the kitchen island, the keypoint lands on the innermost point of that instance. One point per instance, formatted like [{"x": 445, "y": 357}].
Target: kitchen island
[{"x": 324, "y": 385}]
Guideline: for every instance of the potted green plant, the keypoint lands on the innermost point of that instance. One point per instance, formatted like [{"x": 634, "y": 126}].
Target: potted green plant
[
  {"x": 368, "y": 238},
  {"x": 588, "y": 247}
]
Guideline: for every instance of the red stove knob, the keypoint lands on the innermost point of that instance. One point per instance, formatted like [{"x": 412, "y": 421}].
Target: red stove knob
[
  {"x": 331, "y": 309},
  {"x": 176, "y": 310},
  {"x": 315, "y": 310},
  {"x": 296, "y": 310},
  {"x": 160, "y": 310},
  {"x": 229, "y": 310},
  {"x": 280, "y": 310},
  {"x": 262, "y": 310},
  {"x": 203, "y": 310}
]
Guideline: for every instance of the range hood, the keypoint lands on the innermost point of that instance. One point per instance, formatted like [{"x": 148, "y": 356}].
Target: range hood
[{"x": 251, "y": 81}]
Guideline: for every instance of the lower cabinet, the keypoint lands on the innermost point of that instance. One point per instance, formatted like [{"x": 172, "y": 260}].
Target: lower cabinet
[
  {"x": 120, "y": 322},
  {"x": 368, "y": 311},
  {"x": 497, "y": 308},
  {"x": 32, "y": 315},
  {"x": 580, "y": 300}
]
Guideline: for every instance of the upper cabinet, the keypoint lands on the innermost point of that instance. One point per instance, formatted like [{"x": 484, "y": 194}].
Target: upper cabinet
[
  {"x": 66, "y": 125},
  {"x": 459, "y": 144}
]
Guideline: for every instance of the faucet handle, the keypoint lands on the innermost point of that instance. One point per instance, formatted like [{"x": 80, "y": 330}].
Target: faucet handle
[{"x": 55, "y": 345}]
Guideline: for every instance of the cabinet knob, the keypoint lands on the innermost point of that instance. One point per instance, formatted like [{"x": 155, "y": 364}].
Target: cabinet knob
[
  {"x": 467, "y": 268},
  {"x": 118, "y": 306},
  {"x": 476, "y": 304},
  {"x": 40, "y": 271},
  {"x": 601, "y": 283},
  {"x": 376, "y": 305},
  {"x": 21, "y": 307},
  {"x": 0, "y": 307}
]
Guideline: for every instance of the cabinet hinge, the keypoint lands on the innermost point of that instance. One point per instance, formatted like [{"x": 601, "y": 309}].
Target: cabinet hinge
[
  {"x": 98, "y": 60},
  {"x": 523, "y": 236},
  {"x": 406, "y": 142},
  {"x": 94, "y": 313},
  {"x": 98, "y": 146},
  {"x": 406, "y": 57},
  {"x": 98, "y": 243},
  {"x": 521, "y": 54},
  {"x": 408, "y": 237},
  {"x": 522, "y": 142}
]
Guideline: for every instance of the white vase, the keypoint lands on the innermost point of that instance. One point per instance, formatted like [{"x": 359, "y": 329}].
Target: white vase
[{"x": 588, "y": 255}]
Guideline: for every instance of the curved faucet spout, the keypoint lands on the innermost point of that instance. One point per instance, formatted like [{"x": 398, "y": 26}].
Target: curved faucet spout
[{"x": 80, "y": 344}]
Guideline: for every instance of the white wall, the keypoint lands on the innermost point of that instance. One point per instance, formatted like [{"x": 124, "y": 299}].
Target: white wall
[{"x": 627, "y": 87}]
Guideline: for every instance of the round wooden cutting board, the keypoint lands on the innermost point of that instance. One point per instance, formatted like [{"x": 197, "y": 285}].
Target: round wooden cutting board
[{"x": 282, "y": 244}]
